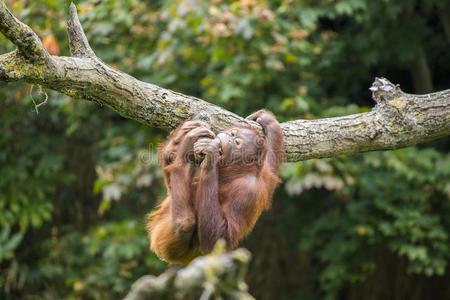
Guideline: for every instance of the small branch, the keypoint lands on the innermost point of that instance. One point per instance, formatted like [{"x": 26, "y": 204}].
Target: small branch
[
  {"x": 28, "y": 43},
  {"x": 79, "y": 45},
  {"x": 220, "y": 274}
]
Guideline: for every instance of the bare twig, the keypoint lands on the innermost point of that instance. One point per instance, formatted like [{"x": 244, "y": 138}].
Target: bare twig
[
  {"x": 37, "y": 105},
  {"x": 79, "y": 45}
]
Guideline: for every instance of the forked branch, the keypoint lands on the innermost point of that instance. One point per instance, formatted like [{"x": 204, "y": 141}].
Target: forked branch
[
  {"x": 79, "y": 45},
  {"x": 397, "y": 120}
]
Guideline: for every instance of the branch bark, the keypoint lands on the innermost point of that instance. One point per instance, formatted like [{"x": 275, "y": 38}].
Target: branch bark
[
  {"x": 397, "y": 120},
  {"x": 218, "y": 274}
]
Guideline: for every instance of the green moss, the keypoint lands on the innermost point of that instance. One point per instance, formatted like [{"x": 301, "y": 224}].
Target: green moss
[
  {"x": 70, "y": 92},
  {"x": 398, "y": 102},
  {"x": 16, "y": 67}
]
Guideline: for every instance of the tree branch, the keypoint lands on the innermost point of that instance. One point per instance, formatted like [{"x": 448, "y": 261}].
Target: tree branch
[
  {"x": 220, "y": 274},
  {"x": 28, "y": 43},
  {"x": 397, "y": 120},
  {"x": 79, "y": 45}
]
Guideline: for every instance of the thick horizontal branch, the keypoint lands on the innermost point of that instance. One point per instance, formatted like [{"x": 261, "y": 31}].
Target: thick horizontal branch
[
  {"x": 219, "y": 274},
  {"x": 397, "y": 120}
]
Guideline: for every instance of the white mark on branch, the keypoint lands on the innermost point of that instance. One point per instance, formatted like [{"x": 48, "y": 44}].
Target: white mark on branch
[
  {"x": 41, "y": 91},
  {"x": 207, "y": 293}
]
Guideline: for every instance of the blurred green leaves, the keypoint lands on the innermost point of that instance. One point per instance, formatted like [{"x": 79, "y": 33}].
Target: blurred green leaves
[
  {"x": 397, "y": 200},
  {"x": 8, "y": 243},
  {"x": 99, "y": 264}
]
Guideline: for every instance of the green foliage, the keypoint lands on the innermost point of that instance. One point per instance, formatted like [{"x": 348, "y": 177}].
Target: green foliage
[
  {"x": 100, "y": 264},
  {"x": 8, "y": 243},
  {"x": 29, "y": 171},
  {"x": 398, "y": 200}
]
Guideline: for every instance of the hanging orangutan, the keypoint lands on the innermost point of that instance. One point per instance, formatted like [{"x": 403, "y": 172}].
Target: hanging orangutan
[{"x": 224, "y": 196}]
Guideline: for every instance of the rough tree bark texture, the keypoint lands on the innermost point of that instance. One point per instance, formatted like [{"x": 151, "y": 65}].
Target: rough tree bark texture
[
  {"x": 218, "y": 275},
  {"x": 397, "y": 120}
]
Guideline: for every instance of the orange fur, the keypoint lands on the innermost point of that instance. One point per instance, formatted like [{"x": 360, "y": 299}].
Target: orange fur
[{"x": 220, "y": 202}]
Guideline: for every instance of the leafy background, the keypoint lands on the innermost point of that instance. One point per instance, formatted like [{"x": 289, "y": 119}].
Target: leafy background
[{"x": 76, "y": 179}]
